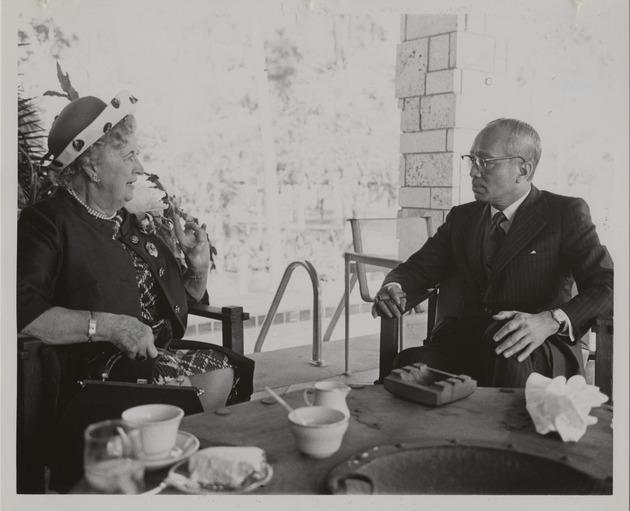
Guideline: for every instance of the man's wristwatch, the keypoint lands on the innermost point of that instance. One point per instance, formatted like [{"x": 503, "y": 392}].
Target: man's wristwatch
[
  {"x": 91, "y": 327},
  {"x": 560, "y": 317}
]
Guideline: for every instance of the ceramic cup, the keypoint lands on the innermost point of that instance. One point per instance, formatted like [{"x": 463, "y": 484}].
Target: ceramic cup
[
  {"x": 158, "y": 426},
  {"x": 322, "y": 433},
  {"x": 331, "y": 394}
]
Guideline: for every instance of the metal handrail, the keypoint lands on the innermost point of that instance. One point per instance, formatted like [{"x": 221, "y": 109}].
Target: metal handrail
[{"x": 317, "y": 310}]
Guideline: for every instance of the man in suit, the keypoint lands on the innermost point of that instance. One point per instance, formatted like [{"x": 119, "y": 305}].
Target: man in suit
[{"x": 506, "y": 265}]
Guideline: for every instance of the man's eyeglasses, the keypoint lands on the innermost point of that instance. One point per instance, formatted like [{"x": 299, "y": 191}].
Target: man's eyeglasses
[{"x": 482, "y": 163}]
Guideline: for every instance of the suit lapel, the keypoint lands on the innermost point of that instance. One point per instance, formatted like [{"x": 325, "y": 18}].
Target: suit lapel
[
  {"x": 473, "y": 236},
  {"x": 529, "y": 220}
]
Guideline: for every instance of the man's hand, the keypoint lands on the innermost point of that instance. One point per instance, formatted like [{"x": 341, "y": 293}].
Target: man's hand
[
  {"x": 194, "y": 242},
  {"x": 523, "y": 333},
  {"x": 390, "y": 301},
  {"x": 130, "y": 335}
]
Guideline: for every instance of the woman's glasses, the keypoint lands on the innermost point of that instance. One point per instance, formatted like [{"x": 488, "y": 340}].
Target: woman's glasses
[{"x": 482, "y": 163}]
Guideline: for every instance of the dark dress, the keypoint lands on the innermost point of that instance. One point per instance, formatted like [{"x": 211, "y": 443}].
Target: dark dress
[{"x": 68, "y": 258}]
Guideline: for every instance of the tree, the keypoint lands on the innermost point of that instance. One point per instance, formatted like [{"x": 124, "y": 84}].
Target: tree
[
  {"x": 335, "y": 127},
  {"x": 34, "y": 181}
]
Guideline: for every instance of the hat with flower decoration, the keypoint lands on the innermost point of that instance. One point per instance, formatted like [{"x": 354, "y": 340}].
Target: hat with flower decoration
[{"x": 81, "y": 123}]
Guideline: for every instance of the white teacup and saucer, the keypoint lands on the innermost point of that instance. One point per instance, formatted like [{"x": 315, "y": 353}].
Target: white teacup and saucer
[
  {"x": 186, "y": 445},
  {"x": 163, "y": 443}
]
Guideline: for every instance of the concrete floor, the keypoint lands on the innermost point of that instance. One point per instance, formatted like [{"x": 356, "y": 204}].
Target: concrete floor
[
  {"x": 289, "y": 369},
  {"x": 284, "y": 363}
]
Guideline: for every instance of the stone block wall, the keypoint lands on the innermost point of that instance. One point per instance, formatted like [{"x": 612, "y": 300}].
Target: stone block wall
[{"x": 451, "y": 78}]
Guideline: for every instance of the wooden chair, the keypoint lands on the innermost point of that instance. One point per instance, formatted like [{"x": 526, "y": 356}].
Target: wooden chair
[
  {"x": 34, "y": 411},
  {"x": 391, "y": 330},
  {"x": 379, "y": 244},
  {"x": 601, "y": 355}
]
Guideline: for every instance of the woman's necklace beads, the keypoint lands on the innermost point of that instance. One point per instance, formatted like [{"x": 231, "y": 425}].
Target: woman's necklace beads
[{"x": 91, "y": 211}]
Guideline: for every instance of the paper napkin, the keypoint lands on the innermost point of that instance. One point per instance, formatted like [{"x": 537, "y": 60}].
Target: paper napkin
[{"x": 560, "y": 405}]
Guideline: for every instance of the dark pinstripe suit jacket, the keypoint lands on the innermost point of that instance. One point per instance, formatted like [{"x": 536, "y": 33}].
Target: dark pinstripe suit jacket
[{"x": 551, "y": 245}]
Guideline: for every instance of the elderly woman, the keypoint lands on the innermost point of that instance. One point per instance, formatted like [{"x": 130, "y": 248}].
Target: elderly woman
[{"x": 92, "y": 282}]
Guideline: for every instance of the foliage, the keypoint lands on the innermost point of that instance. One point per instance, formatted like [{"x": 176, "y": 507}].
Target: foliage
[
  {"x": 33, "y": 182},
  {"x": 334, "y": 120},
  {"x": 335, "y": 127},
  {"x": 334, "y": 114},
  {"x": 157, "y": 212}
]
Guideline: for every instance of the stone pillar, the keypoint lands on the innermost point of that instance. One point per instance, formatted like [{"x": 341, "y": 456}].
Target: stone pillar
[{"x": 451, "y": 79}]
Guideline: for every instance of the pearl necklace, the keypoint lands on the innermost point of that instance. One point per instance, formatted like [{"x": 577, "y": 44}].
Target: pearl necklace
[{"x": 93, "y": 212}]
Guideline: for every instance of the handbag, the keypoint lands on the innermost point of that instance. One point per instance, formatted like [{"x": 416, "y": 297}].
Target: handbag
[{"x": 103, "y": 399}]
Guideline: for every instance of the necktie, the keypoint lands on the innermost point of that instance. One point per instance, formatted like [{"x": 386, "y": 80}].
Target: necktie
[{"x": 495, "y": 237}]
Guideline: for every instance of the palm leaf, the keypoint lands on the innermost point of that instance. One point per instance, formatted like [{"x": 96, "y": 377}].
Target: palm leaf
[
  {"x": 34, "y": 181},
  {"x": 31, "y": 176}
]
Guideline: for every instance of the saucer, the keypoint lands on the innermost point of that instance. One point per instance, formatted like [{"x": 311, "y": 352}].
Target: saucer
[
  {"x": 179, "y": 478},
  {"x": 185, "y": 445}
]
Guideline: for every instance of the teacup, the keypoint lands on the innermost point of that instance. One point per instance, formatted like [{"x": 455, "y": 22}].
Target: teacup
[
  {"x": 318, "y": 431},
  {"x": 158, "y": 424},
  {"x": 331, "y": 394}
]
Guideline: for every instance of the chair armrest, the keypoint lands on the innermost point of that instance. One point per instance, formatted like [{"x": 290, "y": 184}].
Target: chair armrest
[
  {"x": 231, "y": 317},
  {"x": 603, "y": 354},
  {"x": 390, "y": 331},
  {"x": 30, "y": 406},
  {"x": 218, "y": 313},
  {"x": 367, "y": 259},
  {"x": 415, "y": 300},
  {"x": 374, "y": 260}
]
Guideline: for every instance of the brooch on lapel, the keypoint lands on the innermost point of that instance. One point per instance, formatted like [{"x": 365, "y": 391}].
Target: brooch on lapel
[{"x": 151, "y": 249}]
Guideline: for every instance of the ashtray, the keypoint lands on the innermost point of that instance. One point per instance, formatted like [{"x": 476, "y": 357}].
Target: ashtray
[{"x": 422, "y": 384}]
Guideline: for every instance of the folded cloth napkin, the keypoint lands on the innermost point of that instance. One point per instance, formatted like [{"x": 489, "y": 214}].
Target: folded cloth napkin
[{"x": 561, "y": 405}]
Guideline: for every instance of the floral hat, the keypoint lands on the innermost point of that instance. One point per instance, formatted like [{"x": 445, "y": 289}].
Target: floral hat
[{"x": 81, "y": 123}]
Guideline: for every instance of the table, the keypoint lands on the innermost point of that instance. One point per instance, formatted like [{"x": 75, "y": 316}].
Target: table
[
  {"x": 379, "y": 418},
  {"x": 489, "y": 415}
]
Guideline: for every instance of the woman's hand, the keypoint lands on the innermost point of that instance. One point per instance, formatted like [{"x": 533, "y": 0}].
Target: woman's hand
[
  {"x": 129, "y": 335},
  {"x": 194, "y": 242},
  {"x": 59, "y": 325}
]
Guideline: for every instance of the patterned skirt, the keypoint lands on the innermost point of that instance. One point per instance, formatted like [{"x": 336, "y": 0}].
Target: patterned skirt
[{"x": 172, "y": 364}]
